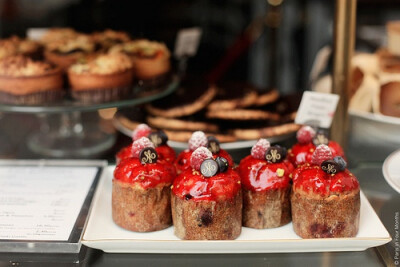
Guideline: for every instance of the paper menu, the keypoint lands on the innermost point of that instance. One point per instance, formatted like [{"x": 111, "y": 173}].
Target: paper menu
[{"x": 42, "y": 203}]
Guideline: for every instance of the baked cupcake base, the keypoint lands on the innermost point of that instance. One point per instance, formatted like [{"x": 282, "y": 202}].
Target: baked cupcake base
[
  {"x": 335, "y": 216},
  {"x": 97, "y": 88},
  {"x": 207, "y": 220},
  {"x": 266, "y": 209},
  {"x": 141, "y": 210}
]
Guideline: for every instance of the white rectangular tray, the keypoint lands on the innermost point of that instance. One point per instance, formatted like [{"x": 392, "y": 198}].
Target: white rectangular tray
[{"x": 102, "y": 233}]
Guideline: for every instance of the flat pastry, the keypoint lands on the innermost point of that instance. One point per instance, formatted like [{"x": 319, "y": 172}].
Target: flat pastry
[
  {"x": 249, "y": 134},
  {"x": 190, "y": 98},
  {"x": 178, "y": 124}
]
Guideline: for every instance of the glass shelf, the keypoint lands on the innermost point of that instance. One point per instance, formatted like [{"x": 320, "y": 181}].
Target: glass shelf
[{"x": 140, "y": 96}]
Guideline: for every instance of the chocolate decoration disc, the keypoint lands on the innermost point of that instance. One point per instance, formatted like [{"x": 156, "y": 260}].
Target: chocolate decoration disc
[
  {"x": 213, "y": 144},
  {"x": 158, "y": 138},
  {"x": 320, "y": 138},
  {"x": 274, "y": 154},
  {"x": 148, "y": 155},
  {"x": 209, "y": 168},
  {"x": 330, "y": 167}
]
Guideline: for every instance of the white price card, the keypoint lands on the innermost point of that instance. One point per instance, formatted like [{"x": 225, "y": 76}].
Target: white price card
[
  {"x": 317, "y": 109},
  {"x": 42, "y": 203},
  {"x": 187, "y": 42},
  {"x": 36, "y": 33}
]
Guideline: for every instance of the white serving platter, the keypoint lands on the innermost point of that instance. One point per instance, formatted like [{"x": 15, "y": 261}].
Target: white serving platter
[
  {"x": 102, "y": 233},
  {"x": 391, "y": 170}
]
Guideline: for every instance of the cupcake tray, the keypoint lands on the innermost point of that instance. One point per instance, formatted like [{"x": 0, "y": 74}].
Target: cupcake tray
[{"x": 102, "y": 233}]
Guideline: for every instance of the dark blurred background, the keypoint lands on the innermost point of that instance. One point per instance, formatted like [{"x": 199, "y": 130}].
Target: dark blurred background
[{"x": 280, "y": 54}]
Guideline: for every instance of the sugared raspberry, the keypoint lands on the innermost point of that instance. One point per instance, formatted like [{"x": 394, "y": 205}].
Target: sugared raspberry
[
  {"x": 142, "y": 130},
  {"x": 198, "y": 139},
  {"x": 305, "y": 134},
  {"x": 259, "y": 149},
  {"x": 321, "y": 153},
  {"x": 139, "y": 144},
  {"x": 198, "y": 156}
]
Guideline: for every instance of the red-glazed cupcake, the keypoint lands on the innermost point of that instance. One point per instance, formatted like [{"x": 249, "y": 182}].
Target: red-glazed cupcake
[
  {"x": 199, "y": 139},
  {"x": 266, "y": 184},
  {"x": 325, "y": 198},
  {"x": 141, "y": 190},
  {"x": 206, "y": 200},
  {"x": 166, "y": 154},
  {"x": 308, "y": 139}
]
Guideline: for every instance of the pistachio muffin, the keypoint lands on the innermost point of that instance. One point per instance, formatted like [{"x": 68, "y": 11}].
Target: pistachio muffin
[
  {"x": 17, "y": 46},
  {"x": 151, "y": 59},
  {"x": 108, "y": 38},
  {"x": 107, "y": 77},
  {"x": 65, "y": 52}
]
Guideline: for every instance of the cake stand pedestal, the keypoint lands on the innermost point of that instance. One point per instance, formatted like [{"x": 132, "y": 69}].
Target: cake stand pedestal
[{"x": 65, "y": 136}]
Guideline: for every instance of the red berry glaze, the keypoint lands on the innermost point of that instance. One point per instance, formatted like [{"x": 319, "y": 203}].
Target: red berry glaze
[
  {"x": 131, "y": 170},
  {"x": 321, "y": 153},
  {"x": 259, "y": 175},
  {"x": 198, "y": 156},
  {"x": 259, "y": 149},
  {"x": 305, "y": 134},
  {"x": 192, "y": 185},
  {"x": 312, "y": 179},
  {"x": 142, "y": 130}
]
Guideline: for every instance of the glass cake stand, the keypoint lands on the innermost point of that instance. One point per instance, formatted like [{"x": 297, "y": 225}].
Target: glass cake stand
[{"x": 63, "y": 134}]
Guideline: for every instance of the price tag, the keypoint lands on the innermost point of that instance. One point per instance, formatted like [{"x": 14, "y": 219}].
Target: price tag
[
  {"x": 187, "y": 42},
  {"x": 317, "y": 109},
  {"x": 36, "y": 33}
]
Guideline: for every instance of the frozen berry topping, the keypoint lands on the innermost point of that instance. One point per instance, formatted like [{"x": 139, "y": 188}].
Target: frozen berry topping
[
  {"x": 139, "y": 144},
  {"x": 321, "y": 153},
  {"x": 198, "y": 139},
  {"x": 198, "y": 156},
  {"x": 305, "y": 134},
  {"x": 223, "y": 164},
  {"x": 341, "y": 162},
  {"x": 142, "y": 130},
  {"x": 260, "y": 148}
]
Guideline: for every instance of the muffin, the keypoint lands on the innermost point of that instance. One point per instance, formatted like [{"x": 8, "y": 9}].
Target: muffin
[
  {"x": 206, "y": 200},
  {"x": 265, "y": 178},
  {"x": 307, "y": 140},
  {"x": 199, "y": 139},
  {"x": 16, "y": 46},
  {"x": 151, "y": 59},
  {"x": 25, "y": 81},
  {"x": 106, "y": 39},
  {"x": 325, "y": 198},
  {"x": 166, "y": 154},
  {"x": 107, "y": 77},
  {"x": 141, "y": 190},
  {"x": 58, "y": 34},
  {"x": 65, "y": 52}
]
